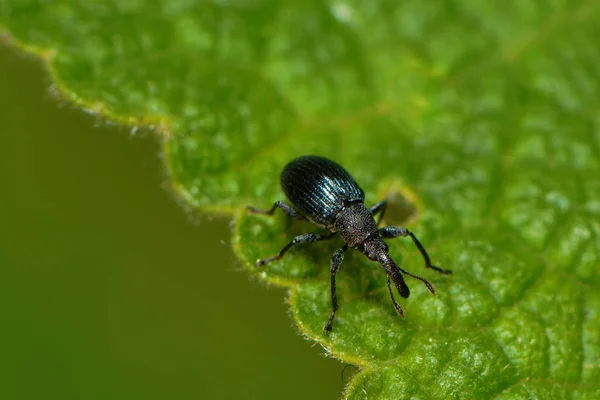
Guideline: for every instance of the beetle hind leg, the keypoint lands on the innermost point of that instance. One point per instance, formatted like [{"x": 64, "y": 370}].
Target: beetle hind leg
[
  {"x": 307, "y": 238},
  {"x": 286, "y": 208}
]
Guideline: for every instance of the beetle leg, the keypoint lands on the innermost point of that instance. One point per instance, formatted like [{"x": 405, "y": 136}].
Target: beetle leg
[
  {"x": 379, "y": 208},
  {"x": 307, "y": 238},
  {"x": 396, "y": 305},
  {"x": 336, "y": 261},
  {"x": 286, "y": 208},
  {"x": 390, "y": 232}
]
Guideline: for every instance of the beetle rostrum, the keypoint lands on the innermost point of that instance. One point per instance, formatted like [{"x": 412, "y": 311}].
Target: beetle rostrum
[{"x": 324, "y": 193}]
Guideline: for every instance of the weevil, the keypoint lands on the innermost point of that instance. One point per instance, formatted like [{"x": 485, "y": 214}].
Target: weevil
[{"x": 324, "y": 193}]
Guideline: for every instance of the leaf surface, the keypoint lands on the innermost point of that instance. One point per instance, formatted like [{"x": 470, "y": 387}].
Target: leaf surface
[{"x": 482, "y": 117}]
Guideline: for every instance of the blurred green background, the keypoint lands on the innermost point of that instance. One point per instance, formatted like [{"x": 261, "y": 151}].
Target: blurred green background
[{"x": 108, "y": 288}]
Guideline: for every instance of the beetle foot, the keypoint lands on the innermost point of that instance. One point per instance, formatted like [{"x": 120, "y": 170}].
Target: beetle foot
[{"x": 440, "y": 270}]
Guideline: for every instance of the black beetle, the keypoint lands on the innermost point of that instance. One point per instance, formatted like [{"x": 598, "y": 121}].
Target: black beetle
[{"x": 326, "y": 194}]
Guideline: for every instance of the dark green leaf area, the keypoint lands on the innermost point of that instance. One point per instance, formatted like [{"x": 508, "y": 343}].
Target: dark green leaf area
[
  {"x": 437, "y": 366},
  {"x": 547, "y": 389},
  {"x": 526, "y": 314}
]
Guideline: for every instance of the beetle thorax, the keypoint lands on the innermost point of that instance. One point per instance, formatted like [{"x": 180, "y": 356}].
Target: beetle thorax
[{"x": 355, "y": 223}]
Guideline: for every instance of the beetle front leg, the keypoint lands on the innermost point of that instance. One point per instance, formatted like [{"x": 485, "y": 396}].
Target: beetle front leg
[
  {"x": 286, "y": 208},
  {"x": 336, "y": 261},
  {"x": 390, "y": 232},
  {"x": 379, "y": 208},
  {"x": 308, "y": 238}
]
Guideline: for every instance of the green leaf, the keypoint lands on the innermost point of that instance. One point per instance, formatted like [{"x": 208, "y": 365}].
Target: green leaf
[{"x": 482, "y": 119}]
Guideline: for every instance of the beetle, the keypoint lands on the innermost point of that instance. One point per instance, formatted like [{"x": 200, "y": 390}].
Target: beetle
[{"x": 324, "y": 193}]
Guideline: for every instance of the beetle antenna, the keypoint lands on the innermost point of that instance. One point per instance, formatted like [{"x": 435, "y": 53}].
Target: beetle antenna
[
  {"x": 395, "y": 272},
  {"x": 425, "y": 281}
]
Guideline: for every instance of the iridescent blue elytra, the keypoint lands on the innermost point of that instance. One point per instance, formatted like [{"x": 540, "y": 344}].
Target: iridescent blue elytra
[
  {"x": 323, "y": 192},
  {"x": 319, "y": 188}
]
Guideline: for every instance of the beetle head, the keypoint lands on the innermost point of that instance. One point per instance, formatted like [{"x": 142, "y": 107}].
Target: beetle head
[{"x": 376, "y": 249}]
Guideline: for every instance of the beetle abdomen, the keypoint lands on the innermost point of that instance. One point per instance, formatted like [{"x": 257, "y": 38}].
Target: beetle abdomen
[{"x": 319, "y": 187}]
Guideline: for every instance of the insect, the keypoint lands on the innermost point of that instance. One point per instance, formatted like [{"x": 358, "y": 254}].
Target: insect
[{"x": 324, "y": 193}]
